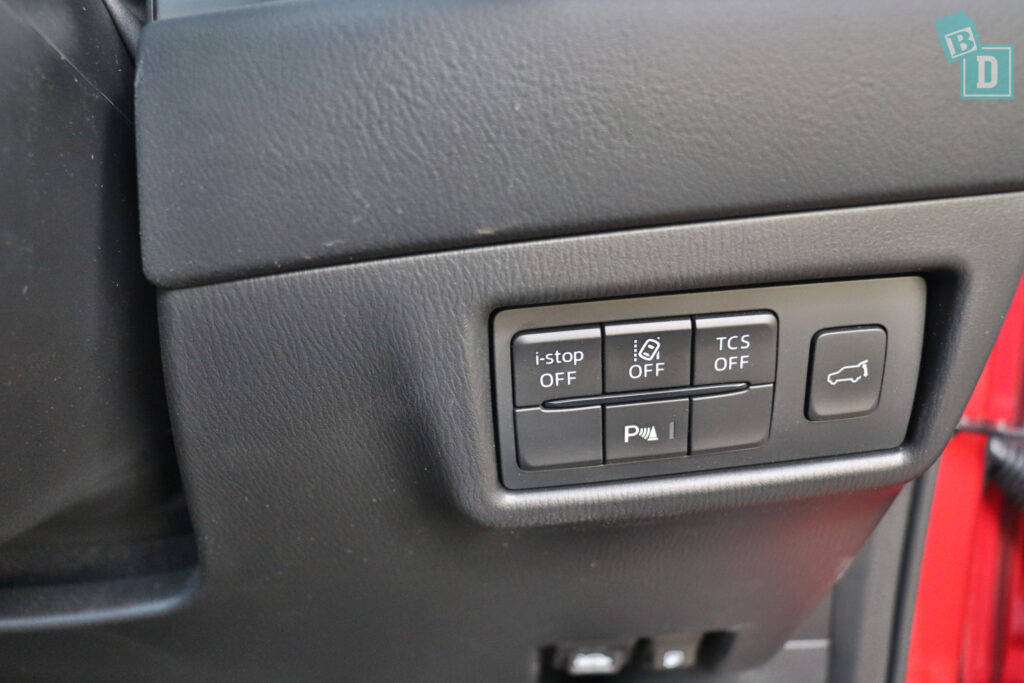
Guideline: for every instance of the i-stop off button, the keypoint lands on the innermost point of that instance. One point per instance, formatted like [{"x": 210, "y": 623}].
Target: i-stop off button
[
  {"x": 735, "y": 348},
  {"x": 556, "y": 364}
]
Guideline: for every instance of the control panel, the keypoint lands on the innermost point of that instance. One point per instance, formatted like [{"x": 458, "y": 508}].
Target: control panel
[{"x": 624, "y": 388}]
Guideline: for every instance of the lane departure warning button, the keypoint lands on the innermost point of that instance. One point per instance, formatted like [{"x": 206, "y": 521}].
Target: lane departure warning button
[
  {"x": 647, "y": 355},
  {"x": 735, "y": 348},
  {"x": 556, "y": 364}
]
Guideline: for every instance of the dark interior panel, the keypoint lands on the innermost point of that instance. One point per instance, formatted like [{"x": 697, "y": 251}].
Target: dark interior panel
[
  {"x": 337, "y": 442},
  {"x": 270, "y": 418},
  {"x": 292, "y": 135},
  {"x": 89, "y": 487}
]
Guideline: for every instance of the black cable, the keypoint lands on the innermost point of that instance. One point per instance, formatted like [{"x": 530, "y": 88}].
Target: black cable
[
  {"x": 1004, "y": 463},
  {"x": 990, "y": 428},
  {"x": 1005, "y": 466}
]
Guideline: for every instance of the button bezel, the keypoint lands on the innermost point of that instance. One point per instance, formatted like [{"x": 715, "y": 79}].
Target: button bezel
[{"x": 897, "y": 304}]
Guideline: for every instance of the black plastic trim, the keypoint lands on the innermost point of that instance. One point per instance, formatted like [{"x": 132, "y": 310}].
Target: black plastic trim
[
  {"x": 294, "y": 135},
  {"x": 439, "y": 304}
]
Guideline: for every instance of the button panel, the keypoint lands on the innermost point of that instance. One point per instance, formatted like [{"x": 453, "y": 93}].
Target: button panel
[
  {"x": 629, "y": 388},
  {"x": 565, "y": 378}
]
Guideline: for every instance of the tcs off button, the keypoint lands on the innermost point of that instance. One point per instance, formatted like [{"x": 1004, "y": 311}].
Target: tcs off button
[
  {"x": 556, "y": 364},
  {"x": 735, "y": 348}
]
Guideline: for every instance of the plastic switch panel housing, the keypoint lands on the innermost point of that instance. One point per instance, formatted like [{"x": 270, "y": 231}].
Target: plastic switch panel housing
[{"x": 618, "y": 389}]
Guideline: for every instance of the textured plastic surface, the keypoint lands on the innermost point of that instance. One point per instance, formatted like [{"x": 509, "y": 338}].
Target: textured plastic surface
[
  {"x": 801, "y": 311},
  {"x": 337, "y": 442},
  {"x": 293, "y": 135}
]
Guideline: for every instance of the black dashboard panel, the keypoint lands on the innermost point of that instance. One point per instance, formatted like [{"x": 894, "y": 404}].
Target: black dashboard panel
[
  {"x": 292, "y": 135},
  {"x": 336, "y": 434}
]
